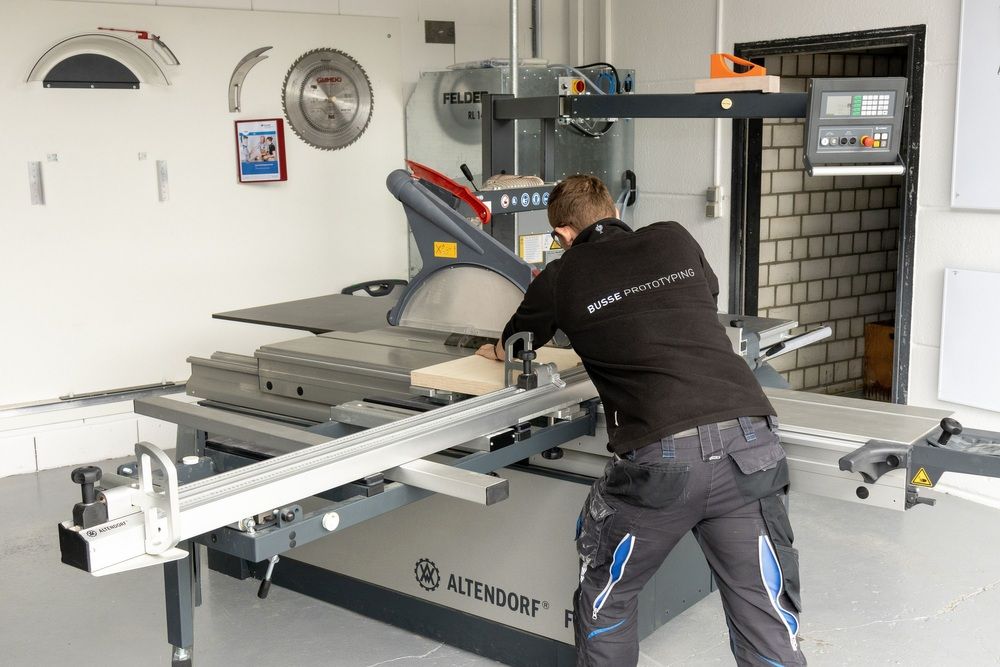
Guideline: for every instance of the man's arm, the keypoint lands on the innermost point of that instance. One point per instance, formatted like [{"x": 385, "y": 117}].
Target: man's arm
[{"x": 535, "y": 314}]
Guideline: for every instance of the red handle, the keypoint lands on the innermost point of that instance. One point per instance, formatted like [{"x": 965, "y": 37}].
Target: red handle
[
  {"x": 425, "y": 173},
  {"x": 142, "y": 34}
]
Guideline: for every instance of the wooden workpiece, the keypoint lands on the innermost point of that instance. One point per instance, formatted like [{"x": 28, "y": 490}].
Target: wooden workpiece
[
  {"x": 476, "y": 375},
  {"x": 739, "y": 84}
]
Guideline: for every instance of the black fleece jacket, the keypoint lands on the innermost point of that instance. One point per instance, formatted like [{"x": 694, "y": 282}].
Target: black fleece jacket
[{"x": 640, "y": 310}]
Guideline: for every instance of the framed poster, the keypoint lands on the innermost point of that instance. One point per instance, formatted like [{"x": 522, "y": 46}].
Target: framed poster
[{"x": 260, "y": 150}]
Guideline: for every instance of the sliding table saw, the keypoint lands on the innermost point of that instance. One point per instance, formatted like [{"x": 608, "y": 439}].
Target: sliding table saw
[{"x": 326, "y": 436}]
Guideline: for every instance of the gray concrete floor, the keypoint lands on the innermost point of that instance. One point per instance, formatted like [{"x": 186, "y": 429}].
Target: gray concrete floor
[{"x": 881, "y": 588}]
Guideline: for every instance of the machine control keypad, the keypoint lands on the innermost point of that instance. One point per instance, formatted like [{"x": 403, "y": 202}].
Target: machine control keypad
[
  {"x": 857, "y": 138},
  {"x": 870, "y": 104}
]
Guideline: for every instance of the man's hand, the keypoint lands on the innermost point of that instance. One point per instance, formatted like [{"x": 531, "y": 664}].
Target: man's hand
[{"x": 492, "y": 352}]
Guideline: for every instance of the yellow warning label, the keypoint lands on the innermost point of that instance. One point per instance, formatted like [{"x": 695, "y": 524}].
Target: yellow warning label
[
  {"x": 555, "y": 245},
  {"x": 922, "y": 479},
  {"x": 445, "y": 249}
]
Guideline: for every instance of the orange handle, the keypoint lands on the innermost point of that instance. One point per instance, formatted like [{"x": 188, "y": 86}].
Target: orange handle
[{"x": 720, "y": 69}]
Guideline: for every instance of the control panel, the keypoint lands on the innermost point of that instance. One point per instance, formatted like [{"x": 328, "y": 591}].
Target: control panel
[{"x": 854, "y": 121}]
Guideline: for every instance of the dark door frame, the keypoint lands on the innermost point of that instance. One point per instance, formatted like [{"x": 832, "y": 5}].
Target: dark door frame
[{"x": 746, "y": 163}]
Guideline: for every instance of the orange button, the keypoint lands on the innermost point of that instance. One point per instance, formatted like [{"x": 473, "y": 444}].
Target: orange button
[{"x": 867, "y": 141}]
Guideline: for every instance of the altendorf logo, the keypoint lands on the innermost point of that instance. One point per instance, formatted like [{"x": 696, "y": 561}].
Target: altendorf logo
[{"x": 427, "y": 574}]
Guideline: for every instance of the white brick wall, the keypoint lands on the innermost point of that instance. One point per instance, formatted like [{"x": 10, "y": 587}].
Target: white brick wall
[{"x": 827, "y": 244}]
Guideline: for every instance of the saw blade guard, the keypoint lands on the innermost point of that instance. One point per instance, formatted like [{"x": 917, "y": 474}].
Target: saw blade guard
[
  {"x": 462, "y": 299},
  {"x": 469, "y": 282}
]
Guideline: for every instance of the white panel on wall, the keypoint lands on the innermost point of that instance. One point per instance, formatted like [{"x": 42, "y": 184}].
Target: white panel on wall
[
  {"x": 977, "y": 142},
  {"x": 970, "y": 349}
]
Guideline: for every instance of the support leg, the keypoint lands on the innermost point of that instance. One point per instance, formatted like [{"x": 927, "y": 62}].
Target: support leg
[{"x": 178, "y": 588}]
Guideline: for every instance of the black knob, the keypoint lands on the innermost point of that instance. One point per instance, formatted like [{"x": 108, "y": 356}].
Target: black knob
[
  {"x": 528, "y": 355},
  {"x": 553, "y": 454},
  {"x": 87, "y": 477},
  {"x": 949, "y": 427},
  {"x": 265, "y": 588}
]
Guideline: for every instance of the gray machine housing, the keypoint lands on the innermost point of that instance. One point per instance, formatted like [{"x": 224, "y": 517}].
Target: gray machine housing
[{"x": 444, "y": 131}]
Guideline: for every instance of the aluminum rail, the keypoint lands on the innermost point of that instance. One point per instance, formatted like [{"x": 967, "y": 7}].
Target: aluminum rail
[{"x": 229, "y": 497}]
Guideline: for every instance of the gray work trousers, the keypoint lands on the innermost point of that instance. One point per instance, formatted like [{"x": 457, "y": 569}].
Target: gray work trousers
[{"x": 727, "y": 486}]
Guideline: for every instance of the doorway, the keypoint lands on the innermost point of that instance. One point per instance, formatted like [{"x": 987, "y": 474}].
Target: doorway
[{"x": 829, "y": 251}]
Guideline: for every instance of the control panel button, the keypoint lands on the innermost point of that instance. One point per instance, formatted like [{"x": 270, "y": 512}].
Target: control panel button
[{"x": 867, "y": 141}]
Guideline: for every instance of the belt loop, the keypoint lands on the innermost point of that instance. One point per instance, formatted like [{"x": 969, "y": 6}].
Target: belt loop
[
  {"x": 667, "y": 447},
  {"x": 772, "y": 423},
  {"x": 747, "y": 427},
  {"x": 711, "y": 442}
]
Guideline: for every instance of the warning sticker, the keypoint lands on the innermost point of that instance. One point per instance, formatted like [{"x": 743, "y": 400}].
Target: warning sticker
[
  {"x": 921, "y": 478},
  {"x": 445, "y": 249},
  {"x": 532, "y": 247}
]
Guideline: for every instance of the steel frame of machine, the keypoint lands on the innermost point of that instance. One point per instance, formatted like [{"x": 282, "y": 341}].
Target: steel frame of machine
[
  {"x": 170, "y": 513},
  {"x": 501, "y": 111},
  {"x": 158, "y": 521}
]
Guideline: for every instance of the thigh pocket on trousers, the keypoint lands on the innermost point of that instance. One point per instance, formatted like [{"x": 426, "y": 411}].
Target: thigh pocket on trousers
[
  {"x": 652, "y": 485},
  {"x": 788, "y": 559},
  {"x": 763, "y": 470},
  {"x": 593, "y": 528},
  {"x": 779, "y": 529}
]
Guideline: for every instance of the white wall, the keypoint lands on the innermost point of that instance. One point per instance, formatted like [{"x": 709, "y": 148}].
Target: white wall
[
  {"x": 105, "y": 286},
  {"x": 669, "y": 41}
]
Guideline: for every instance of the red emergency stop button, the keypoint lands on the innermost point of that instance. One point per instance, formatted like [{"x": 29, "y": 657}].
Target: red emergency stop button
[
  {"x": 579, "y": 86},
  {"x": 867, "y": 141}
]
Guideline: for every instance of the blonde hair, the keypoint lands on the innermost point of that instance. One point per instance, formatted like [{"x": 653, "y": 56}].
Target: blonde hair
[{"x": 579, "y": 201}]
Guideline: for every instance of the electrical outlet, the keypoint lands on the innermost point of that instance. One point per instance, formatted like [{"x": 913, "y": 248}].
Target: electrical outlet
[{"x": 713, "y": 202}]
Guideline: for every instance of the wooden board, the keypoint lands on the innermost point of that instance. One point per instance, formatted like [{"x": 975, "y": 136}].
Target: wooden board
[
  {"x": 739, "y": 84},
  {"x": 477, "y": 375}
]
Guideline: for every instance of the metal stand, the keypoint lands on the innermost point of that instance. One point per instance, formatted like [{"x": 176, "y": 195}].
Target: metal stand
[{"x": 182, "y": 591}]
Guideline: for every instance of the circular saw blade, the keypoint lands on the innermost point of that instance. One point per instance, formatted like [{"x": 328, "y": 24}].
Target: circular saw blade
[{"x": 327, "y": 98}]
